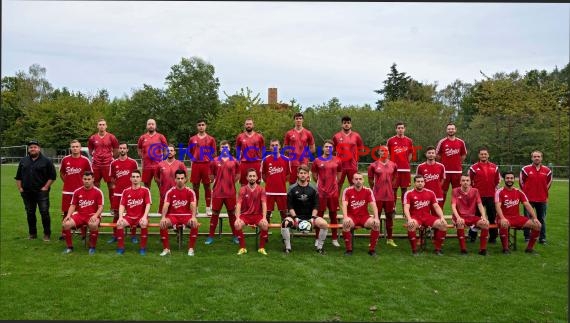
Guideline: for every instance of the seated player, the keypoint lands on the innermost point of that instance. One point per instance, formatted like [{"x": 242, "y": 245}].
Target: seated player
[
  {"x": 178, "y": 210},
  {"x": 251, "y": 207}
]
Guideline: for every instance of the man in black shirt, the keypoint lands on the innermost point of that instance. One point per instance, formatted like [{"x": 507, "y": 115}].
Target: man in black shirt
[
  {"x": 303, "y": 205},
  {"x": 34, "y": 177}
]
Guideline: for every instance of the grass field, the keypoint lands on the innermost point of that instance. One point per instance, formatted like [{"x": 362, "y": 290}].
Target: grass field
[{"x": 37, "y": 282}]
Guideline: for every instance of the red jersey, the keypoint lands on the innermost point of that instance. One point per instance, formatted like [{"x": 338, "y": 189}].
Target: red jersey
[
  {"x": 180, "y": 200},
  {"x": 485, "y": 177},
  {"x": 153, "y": 142},
  {"x": 250, "y": 148},
  {"x": 465, "y": 202},
  {"x": 87, "y": 201},
  {"x": 275, "y": 171},
  {"x": 420, "y": 201},
  {"x": 135, "y": 201},
  {"x": 510, "y": 200},
  {"x": 250, "y": 200},
  {"x": 346, "y": 147},
  {"x": 71, "y": 170},
  {"x": 535, "y": 182},
  {"x": 450, "y": 152},
  {"x": 120, "y": 171},
  {"x": 101, "y": 148},
  {"x": 380, "y": 177},
  {"x": 326, "y": 170},
  {"x": 357, "y": 201},
  {"x": 433, "y": 174},
  {"x": 224, "y": 173},
  {"x": 401, "y": 150},
  {"x": 201, "y": 148},
  {"x": 166, "y": 174},
  {"x": 301, "y": 141}
]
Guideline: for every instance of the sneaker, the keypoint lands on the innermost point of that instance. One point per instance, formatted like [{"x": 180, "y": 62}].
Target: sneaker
[
  {"x": 120, "y": 251},
  {"x": 438, "y": 252},
  {"x": 47, "y": 237},
  {"x": 506, "y": 252},
  {"x": 32, "y": 237},
  {"x": 91, "y": 251},
  {"x": 262, "y": 251},
  {"x": 483, "y": 252},
  {"x": 316, "y": 243},
  {"x": 372, "y": 253},
  {"x": 542, "y": 241},
  {"x": 321, "y": 251},
  {"x": 391, "y": 242},
  {"x": 209, "y": 211},
  {"x": 415, "y": 253},
  {"x": 190, "y": 252},
  {"x": 134, "y": 240},
  {"x": 209, "y": 240},
  {"x": 165, "y": 252},
  {"x": 235, "y": 240},
  {"x": 464, "y": 252},
  {"x": 112, "y": 240},
  {"x": 335, "y": 243},
  {"x": 142, "y": 251},
  {"x": 348, "y": 253},
  {"x": 242, "y": 251},
  {"x": 287, "y": 251},
  {"x": 531, "y": 251},
  {"x": 67, "y": 251}
]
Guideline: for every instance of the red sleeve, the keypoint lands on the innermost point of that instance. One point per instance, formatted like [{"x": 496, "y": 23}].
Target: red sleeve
[
  {"x": 463, "y": 149},
  {"x": 90, "y": 145},
  {"x": 335, "y": 141},
  {"x": 453, "y": 197},
  {"x": 433, "y": 199},
  {"x": 240, "y": 195},
  {"x": 140, "y": 143},
  {"x": 261, "y": 142},
  {"x": 114, "y": 142},
  {"x": 214, "y": 145},
  {"x": 147, "y": 197},
  {"x": 286, "y": 139},
  {"x": 478, "y": 197},
  {"x": 522, "y": 196},
  {"x": 99, "y": 198},
  {"x": 163, "y": 139},
  {"x": 314, "y": 167},
  {"x": 288, "y": 168},
  {"x": 212, "y": 168},
  {"x": 263, "y": 195},
  {"x": 497, "y": 177},
  {"x": 359, "y": 141},
  {"x": 311, "y": 139},
  {"x": 123, "y": 200},
  {"x": 370, "y": 175}
]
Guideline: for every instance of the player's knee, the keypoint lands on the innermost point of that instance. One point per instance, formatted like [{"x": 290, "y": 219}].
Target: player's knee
[{"x": 287, "y": 223}]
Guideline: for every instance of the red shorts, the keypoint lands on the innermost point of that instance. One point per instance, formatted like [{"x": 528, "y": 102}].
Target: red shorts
[
  {"x": 217, "y": 202},
  {"x": 178, "y": 220},
  {"x": 148, "y": 175},
  {"x": 65, "y": 202},
  {"x": 80, "y": 219},
  {"x": 469, "y": 219},
  {"x": 403, "y": 179},
  {"x": 101, "y": 172},
  {"x": 244, "y": 166},
  {"x": 200, "y": 173},
  {"x": 451, "y": 178},
  {"x": 515, "y": 221},
  {"x": 133, "y": 222},
  {"x": 115, "y": 202},
  {"x": 348, "y": 173},
  {"x": 360, "y": 220},
  {"x": 389, "y": 206},
  {"x": 426, "y": 220},
  {"x": 328, "y": 202},
  {"x": 251, "y": 219},
  {"x": 280, "y": 200}
]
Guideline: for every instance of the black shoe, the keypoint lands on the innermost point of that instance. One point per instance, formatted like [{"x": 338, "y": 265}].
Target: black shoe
[
  {"x": 542, "y": 241},
  {"x": 33, "y": 237},
  {"x": 61, "y": 238},
  {"x": 438, "y": 252},
  {"x": 526, "y": 239},
  {"x": 506, "y": 252},
  {"x": 415, "y": 253},
  {"x": 321, "y": 251},
  {"x": 372, "y": 253},
  {"x": 348, "y": 253},
  {"x": 483, "y": 252},
  {"x": 492, "y": 241},
  {"x": 530, "y": 251},
  {"x": 464, "y": 252}
]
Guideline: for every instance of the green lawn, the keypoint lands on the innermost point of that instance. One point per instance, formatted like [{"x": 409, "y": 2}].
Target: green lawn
[{"x": 37, "y": 282}]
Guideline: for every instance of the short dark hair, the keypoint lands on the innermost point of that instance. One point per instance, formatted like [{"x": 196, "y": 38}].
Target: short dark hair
[
  {"x": 274, "y": 140},
  {"x": 136, "y": 171},
  {"x": 124, "y": 143},
  {"x": 179, "y": 171},
  {"x": 428, "y": 148},
  {"x": 483, "y": 148},
  {"x": 400, "y": 123},
  {"x": 224, "y": 142},
  {"x": 328, "y": 141},
  {"x": 303, "y": 167},
  {"x": 88, "y": 173},
  {"x": 249, "y": 170},
  {"x": 346, "y": 118},
  {"x": 200, "y": 121},
  {"x": 508, "y": 173},
  {"x": 450, "y": 124},
  {"x": 298, "y": 114},
  {"x": 418, "y": 176}
]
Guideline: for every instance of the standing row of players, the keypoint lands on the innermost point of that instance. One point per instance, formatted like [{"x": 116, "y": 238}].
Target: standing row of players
[{"x": 329, "y": 173}]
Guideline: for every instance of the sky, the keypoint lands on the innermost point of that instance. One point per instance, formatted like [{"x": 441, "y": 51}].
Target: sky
[{"x": 310, "y": 51}]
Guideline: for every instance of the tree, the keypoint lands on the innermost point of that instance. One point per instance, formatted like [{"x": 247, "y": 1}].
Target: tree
[{"x": 399, "y": 86}]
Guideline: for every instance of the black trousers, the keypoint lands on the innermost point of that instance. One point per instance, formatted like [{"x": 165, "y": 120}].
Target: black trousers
[
  {"x": 489, "y": 204},
  {"x": 39, "y": 199}
]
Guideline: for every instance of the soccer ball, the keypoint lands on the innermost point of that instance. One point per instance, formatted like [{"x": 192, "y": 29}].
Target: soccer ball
[{"x": 304, "y": 225}]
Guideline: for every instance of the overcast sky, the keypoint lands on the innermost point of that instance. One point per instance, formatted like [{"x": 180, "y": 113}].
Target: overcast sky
[{"x": 310, "y": 51}]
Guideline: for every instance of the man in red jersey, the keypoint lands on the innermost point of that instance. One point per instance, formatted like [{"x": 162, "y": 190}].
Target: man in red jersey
[
  {"x": 85, "y": 209},
  {"x": 120, "y": 172},
  {"x": 250, "y": 210},
  {"x": 275, "y": 170},
  {"x": 166, "y": 170},
  {"x": 202, "y": 147},
  {"x": 224, "y": 173},
  {"x": 303, "y": 142},
  {"x": 133, "y": 212},
  {"x": 401, "y": 149},
  {"x": 433, "y": 173},
  {"x": 465, "y": 200},
  {"x": 451, "y": 152},
  {"x": 151, "y": 147},
  {"x": 535, "y": 180},
  {"x": 418, "y": 213},
  {"x": 485, "y": 177},
  {"x": 71, "y": 172},
  {"x": 103, "y": 147},
  {"x": 179, "y": 209},
  {"x": 507, "y": 200},
  {"x": 326, "y": 171},
  {"x": 249, "y": 147},
  {"x": 382, "y": 176},
  {"x": 355, "y": 202},
  {"x": 347, "y": 144}
]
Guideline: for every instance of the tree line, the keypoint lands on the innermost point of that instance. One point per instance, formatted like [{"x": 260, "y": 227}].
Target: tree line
[{"x": 509, "y": 113}]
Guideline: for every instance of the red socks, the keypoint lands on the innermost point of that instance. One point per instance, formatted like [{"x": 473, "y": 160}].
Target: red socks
[
  {"x": 461, "y": 238},
  {"x": 347, "y": 240},
  {"x": 373, "y": 239}
]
